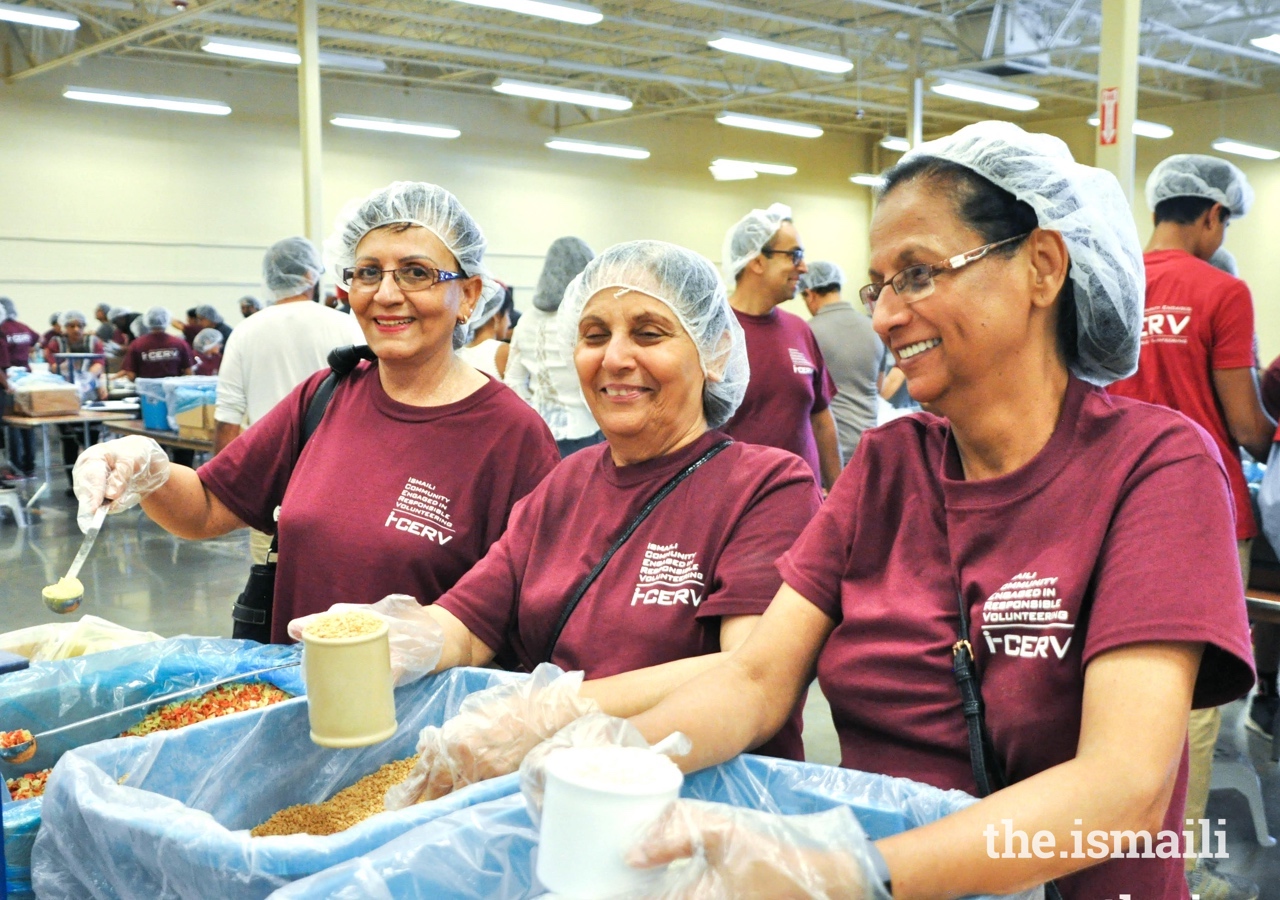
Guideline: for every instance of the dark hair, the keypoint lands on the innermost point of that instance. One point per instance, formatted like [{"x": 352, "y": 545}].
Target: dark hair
[
  {"x": 1185, "y": 210},
  {"x": 508, "y": 301},
  {"x": 191, "y": 313},
  {"x": 994, "y": 214},
  {"x": 826, "y": 289}
]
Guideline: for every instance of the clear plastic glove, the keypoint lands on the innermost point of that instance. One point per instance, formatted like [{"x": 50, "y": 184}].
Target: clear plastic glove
[
  {"x": 594, "y": 730},
  {"x": 417, "y": 640},
  {"x": 742, "y": 854},
  {"x": 491, "y": 734},
  {"x": 119, "y": 472}
]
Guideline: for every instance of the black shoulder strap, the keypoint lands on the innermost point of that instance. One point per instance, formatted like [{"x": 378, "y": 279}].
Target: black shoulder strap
[{"x": 622, "y": 539}]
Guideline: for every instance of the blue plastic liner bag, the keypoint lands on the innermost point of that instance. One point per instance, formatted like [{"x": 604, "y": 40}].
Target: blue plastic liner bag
[
  {"x": 169, "y": 815},
  {"x": 488, "y": 851},
  {"x": 51, "y": 694}
]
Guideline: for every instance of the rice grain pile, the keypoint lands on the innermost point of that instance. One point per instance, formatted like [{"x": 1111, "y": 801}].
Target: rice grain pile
[{"x": 347, "y": 808}]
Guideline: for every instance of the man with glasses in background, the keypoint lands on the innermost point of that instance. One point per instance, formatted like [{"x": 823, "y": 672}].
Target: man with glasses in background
[
  {"x": 276, "y": 349},
  {"x": 788, "y": 396}
]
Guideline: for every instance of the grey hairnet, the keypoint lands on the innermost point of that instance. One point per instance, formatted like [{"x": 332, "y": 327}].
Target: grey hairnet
[
  {"x": 55, "y": 318},
  {"x": 157, "y": 318},
  {"x": 1222, "y": 259},
  {"x": 138, "y": 327},
  {"x": 566, "y": 257},
  {"x": 291, "y": 267},
  {"x": 416, "y": 203},
  {"x": 206, "y": 339},
  {"x": 5, "y": 315},
  {"x": 72, "y": 315},
  {"x": 254, "y": 301},
  {"x": 821, "y": 274},
  {"x": 116, "y": 312},
  {"x": 1088, "y": 208},
  {"x": 104, "y": 308},
  {"x": 689, "y": 284},
  {"x": 1198, "y": 175},
  {"x": 750, "y": 235},
  {"x": 205, "y": 311},
  {"x": 8, "y": 307}
]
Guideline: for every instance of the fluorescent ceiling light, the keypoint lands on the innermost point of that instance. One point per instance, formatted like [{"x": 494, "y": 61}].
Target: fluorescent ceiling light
[
  {"x": 989, "y": 96},
  {"x": 619, "y": 150},
  {"x": 792, "y": 56},
  {"x": 41, "y": 18},
  {"x": 148, "y": 101},
  {"x": 1226, "y": 145},
  {"x": 1142, "y": 129},
  {"x": 396, "y": 126},
  {"x": 721, "y": 172},
  {"x": 867, "y": 180},
  {"x": 287, "y": 54},
  {"x": 761, "y": 123},
  {"x": 762, "y": 168},
  {"x": 576, "y": 13},
  {"x": 896, "y": 144},
  {"x": 1270, "y": 42},
  {"x": 561, "y": 95}
]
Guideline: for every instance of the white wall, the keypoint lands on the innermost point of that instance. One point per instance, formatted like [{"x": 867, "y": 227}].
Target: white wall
[{"x": 140, "y": 207}]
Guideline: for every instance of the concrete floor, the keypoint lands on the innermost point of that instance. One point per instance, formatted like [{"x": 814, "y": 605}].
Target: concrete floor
[{"x": 140, "y": 577}]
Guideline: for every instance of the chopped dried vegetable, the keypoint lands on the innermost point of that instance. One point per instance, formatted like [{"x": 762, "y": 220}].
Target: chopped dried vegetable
[{"x": 221, "y": 701}]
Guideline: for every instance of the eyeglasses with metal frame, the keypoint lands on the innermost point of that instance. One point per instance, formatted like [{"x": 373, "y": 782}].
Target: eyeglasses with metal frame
[
  {"x": 796, "y": 254},
  {"x": 916, "y": 282},
  {"x": 413, "y": 277}
]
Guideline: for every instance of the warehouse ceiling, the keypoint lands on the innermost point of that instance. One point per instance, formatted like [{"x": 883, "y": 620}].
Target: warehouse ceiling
[{"x": 656, "y": 52}]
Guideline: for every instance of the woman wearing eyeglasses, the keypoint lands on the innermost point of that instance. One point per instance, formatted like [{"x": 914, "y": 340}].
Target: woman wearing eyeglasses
[
  {"x": 413, "y": 470},
  {"x": 1087, "y": 541}
]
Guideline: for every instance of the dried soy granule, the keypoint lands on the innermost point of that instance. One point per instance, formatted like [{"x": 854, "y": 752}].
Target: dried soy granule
[
  {"x": 344, "y": 809},
  {"x": 343, "y": 625}
]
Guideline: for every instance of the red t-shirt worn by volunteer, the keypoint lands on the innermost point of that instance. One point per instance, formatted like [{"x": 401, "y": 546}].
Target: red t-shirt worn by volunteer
[
  {"x": 1086, "y": 548},
  {"x": 157, "y": 355},
  {"x": 20, "y": 340},
  {"x": 385, "y": 498},
  {"x": 1197, "y": 319},
  {"x": 789, "y": 383},
  {"x": 706, "y": 551}
]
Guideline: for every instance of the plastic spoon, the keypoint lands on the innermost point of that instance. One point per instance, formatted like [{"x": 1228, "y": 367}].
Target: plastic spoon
[
  {"x": 20, "y": 753},
  {"x": 65, "y": 596}
]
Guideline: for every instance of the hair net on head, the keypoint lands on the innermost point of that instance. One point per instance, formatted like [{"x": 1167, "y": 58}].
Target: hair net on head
[
  {"x": 104, "y": 308},
  {"x": 206, "y": 339},
  {"x": 291, "y": 267},
  {"x": 205, "y": 311},
  {"x": 1197, "y": 175},
  {"x": 414, "y": 203},
  {"x": 72, "y": 315},
  {"x": 138, "y": 327},
  {"x": 1222, "y": 259},
  {"x": 689, "y": 284},
  {"x": 821, "y": 274},
  {"x": 1088, "y": 208},
  {"x": 116, "y": 312},
  {"x": 7, "y": 305},
  {"x": 55, "y": 318},
  {"x": 566, "y": 257},
  {"x": 250, "y": 300},
  {"x": 490, "y": 303},
  {"x": 157, "y": 318},
  {"x": 750, "y": 235}
]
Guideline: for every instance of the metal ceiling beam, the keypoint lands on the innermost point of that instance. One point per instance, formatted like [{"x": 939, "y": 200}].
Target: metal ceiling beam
[
  {"x": 769, "y": 16},
  {"x": 120, "y": 39},
  {"x": 1152, "y": 62},
  {"x": 1192, "y": 40},
  {"x": 902, "y": 8}
]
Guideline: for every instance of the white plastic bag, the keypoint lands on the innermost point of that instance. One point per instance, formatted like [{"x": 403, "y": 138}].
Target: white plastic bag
[{"x": 1269, "y": 498}]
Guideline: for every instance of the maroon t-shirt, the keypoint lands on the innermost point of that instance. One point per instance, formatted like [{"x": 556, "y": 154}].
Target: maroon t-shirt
[
  {"x": 789, "y": 383},
  {"x": 208, "y": 365},
  {"x": 385, "y": 498},
  {"x": 706, "y": 551},
  {"x": 19, "y": 339},
  {"x": 157, "y": 355},
  {"x": 1086, "y": 548}
]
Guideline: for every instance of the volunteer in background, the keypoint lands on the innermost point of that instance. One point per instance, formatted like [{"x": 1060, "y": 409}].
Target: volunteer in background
[
  {"x": 787, "y": 402},
  {"x": 208, "y": 347},
  {"x": 157, "y": 354},
  {"x": 20, "y": 339},
  {"x": 418, "y": 460}
]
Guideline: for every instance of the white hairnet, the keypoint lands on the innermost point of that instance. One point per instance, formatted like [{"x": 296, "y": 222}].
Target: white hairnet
[
  {"x": 157, "y": 318},
  {"x": 1224, "y": 260},
  {"x": 492, "y": 295},
  {"x": 566, "y": 257},
  {"x": 104, "y": 308},
  {"x": 206, "y": 339},
  {"x": 749, "y": 236},
  {"x": 72, "y": 315},
  {"x": 138, "y": 327},
  {"x": 290, "y": 267},
  {"x": 7, "y": 305},
  {"x": 416, "y": 203},
  {"x": 1088, "y": 208},
  {"x": 116, "y": 312},
  {"x": 4, "y": 311},
  {"x": 1198, "y": 175},
  {"x": 821, "y": 274},
  {"x": 689, "y": 284},
  {"x": 253, "y": 301},
  {"x": 205, "y": 311}
]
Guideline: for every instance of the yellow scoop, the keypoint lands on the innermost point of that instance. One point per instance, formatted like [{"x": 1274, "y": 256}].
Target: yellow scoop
[{"x": 64, "y": 597}]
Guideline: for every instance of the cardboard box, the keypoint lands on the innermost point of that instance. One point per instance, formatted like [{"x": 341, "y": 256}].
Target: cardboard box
[
  {"x": 197, "y": 424},
  {"x": 46, "y": 400}
]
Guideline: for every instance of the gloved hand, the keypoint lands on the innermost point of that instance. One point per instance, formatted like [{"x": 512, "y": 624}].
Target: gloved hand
[
  {"x": 593, "y": 730},
  {"x": 738, "y": 854},
  {"x": 119, "y": 472},
  {"x": 417, "y": 640},
  {"x": 491, "y": 734}
]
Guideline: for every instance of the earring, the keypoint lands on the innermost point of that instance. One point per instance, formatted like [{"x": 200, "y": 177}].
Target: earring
[{"x": 462, "y": 320}]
